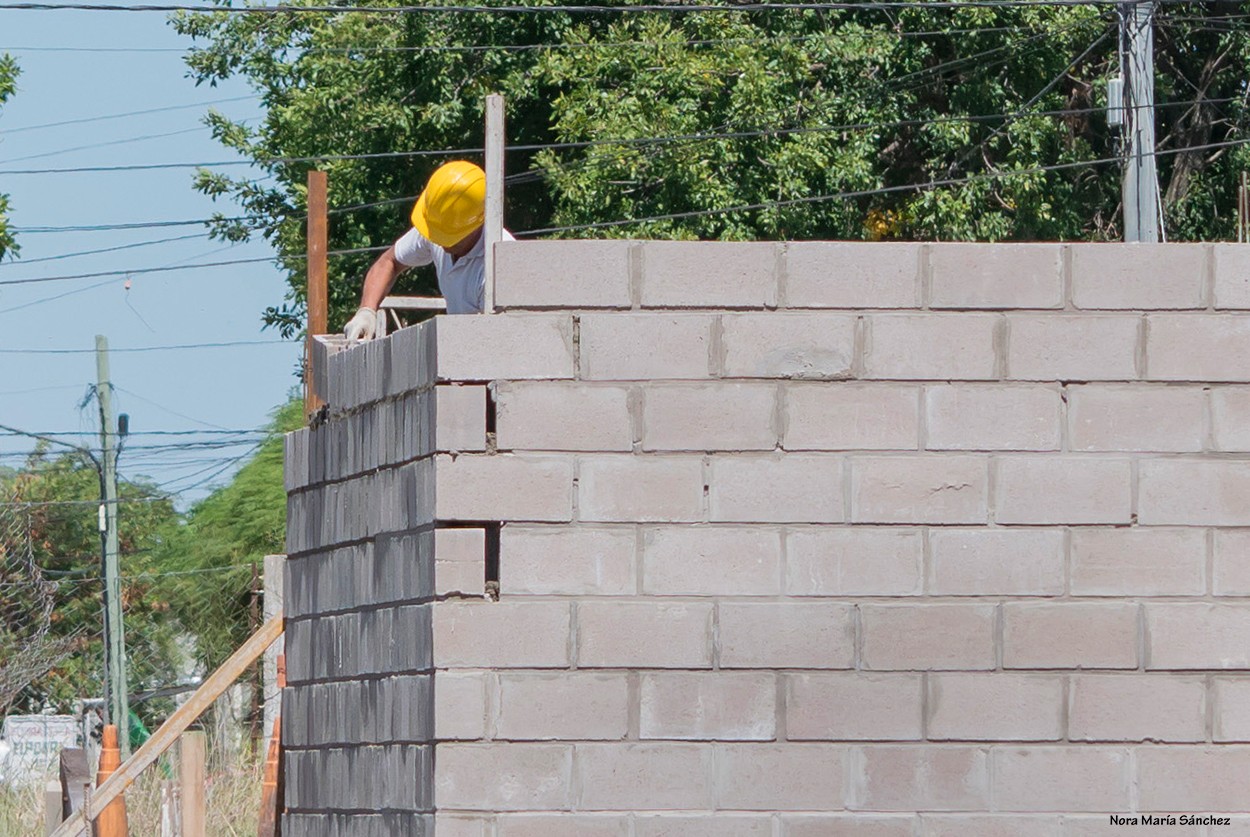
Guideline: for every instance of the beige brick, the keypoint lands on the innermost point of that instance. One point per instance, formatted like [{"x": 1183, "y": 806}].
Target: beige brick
[
  {"x": 567, "y": 561},
  {"x": 781, "y": 345},
  {"x": 502, "y": 777},
  {"x": 780, "y": 777},
  {"x": 1138, "y": 562},
  {"x": 919, "y": 778},
  {"x": 1136, "y": 418},
  {"x": 926, "y": 489},
  {"x": 640, "y": 347},
  {"x": 459, "y": 561},
  {"x": 852, "y": 417},
  {"x": 644, "y": 635},
  {"x": 996, "y": 562},
  {"x": 1197, "y": 636},
  {"x": 504, "y": 346},
  {"x": 1230, "y": 708},
  {"x": 561, "y": 825},
  {"x": 989, "y": 825},
  {"x": 709, "y": 274},
  {"x": 725, "y": 706},
  {"x": 786, "y": 635},
  {"x": 1070, "y": 635},
  {"x": 1198, "y": 347},
  {"x": 846, "y": 825},
  {"x": 927, "y": 637},
  {"x": 504, "y": 487},
  {"x": 566, "y": 706},
  {"x": 459, "y": 705},
  {"x": 560, "y": 416},
  {"x": 995, "y": 707},
  {"x": 1130, "y": 707},
  {"x": 703, "y": 825},
  {"x": 640, "y": 489},
  {"x": 1191, "y": 492},
  {"x": 1063, "y": 489},
  {"x": 1067, "y": 779},
  {"x": 1140, "y": 276},
  {"x": 655, "y": 777},
  {"x": 992, "y": 417},
  {"x": 718, "y": 416},
  {"x": 562, "y": 274},
  {"x": 853, "y": 706},
  {"x": 1232, "y": 275},
  {"x": 501, "y": 634},
  {"x": 1231, "y": 572},
  {"x": 930, "y": 346},
  {"x": 852, "y": 274},
  {"x": 1230, "y": 418},
  {"x": 996, "y": 275},
  {"x": 794, "y": 488},
  {"x": 1193, "y": 779},
  {"x": 461, "y": 418},
  {"x": 856, "y": 561},
  {"x": 716, "y": 561},
  {"x": 455, "y": 825},
  {"x": 1068, "y": 347}
]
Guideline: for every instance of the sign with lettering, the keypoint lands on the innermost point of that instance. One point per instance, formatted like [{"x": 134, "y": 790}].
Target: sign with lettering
[{"x": 30, "y": 743}]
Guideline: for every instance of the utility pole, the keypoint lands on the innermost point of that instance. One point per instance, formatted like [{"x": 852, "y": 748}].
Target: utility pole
[
  {"x": 117, "y": 707},
  {"x": 1141, "y": 180}
]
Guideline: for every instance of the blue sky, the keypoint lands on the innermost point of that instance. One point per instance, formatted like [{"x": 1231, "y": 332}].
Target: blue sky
[{"x": 80, "y": 65}]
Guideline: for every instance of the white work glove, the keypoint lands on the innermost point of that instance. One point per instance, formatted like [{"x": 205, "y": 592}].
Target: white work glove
[{"x": 362, "y": 326}]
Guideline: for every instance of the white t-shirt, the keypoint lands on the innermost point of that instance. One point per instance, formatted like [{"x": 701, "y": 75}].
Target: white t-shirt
[{"x": 461, "y": 282}]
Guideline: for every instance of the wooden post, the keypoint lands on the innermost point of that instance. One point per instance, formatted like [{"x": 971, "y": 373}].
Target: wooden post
[
  {"x": 51, "y": 806},
  {"x": 493, "y": 231},
  {"x": 273, "y": 586},
  {"x": 318, "y": 294},
  {"x": 191, "y": 777}
]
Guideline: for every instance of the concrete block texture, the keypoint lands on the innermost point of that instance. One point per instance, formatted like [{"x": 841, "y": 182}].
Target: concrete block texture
[
  {"x": 996, "y": 276},
  {"x": 787, "y": 345},
  {"x": 705, "y": 274},
  {"x": 931, "y": 346},
  {"x": 793, "y": 540},
  {"x": 852, "y": 274},
  {"x": 562, "y": 274},
  {"x": 1138, "y": 276}
]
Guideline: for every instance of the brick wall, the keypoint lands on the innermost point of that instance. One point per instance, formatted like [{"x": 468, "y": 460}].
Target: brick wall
[{"x": 792, "y": 540}]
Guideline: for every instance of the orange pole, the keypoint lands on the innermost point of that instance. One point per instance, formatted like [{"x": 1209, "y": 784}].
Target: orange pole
[
  {"x": 269, "y": 801},
  {"x": 112, "y": 820}
]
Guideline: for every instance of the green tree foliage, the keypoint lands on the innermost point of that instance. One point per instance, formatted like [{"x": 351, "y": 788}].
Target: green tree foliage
[
  {"x": 966, "y": 123},
  {"x": 210, "y": 557},
  {"x": 59, "y": 494},
  {"x": 8, "y": 84}
]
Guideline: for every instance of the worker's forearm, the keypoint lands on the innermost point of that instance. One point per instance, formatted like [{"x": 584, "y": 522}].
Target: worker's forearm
[{"x": 379, "y": 279}]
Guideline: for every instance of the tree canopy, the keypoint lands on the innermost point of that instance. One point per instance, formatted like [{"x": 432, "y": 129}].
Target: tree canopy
[
  {"x": 966, "y": 123},
  {"x": 8, "y": 84}
]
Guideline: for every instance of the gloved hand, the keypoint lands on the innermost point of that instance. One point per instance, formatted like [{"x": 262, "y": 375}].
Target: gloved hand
[{"x": 362, "y": 326}]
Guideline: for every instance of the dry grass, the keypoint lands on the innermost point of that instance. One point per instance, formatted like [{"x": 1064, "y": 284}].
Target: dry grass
[{"x": 232, "y": 799}]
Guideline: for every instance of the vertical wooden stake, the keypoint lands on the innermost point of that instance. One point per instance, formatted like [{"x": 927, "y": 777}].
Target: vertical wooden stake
[
  {"x": 318, "y": 294},
  {"x": 51, "y": 806},
  {"x": 493, "y": 231},
  {"x": 191, "y": 776}
]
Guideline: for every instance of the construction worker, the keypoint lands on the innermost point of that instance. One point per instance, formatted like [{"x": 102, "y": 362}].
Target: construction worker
[{"x": 446, "y": 232}]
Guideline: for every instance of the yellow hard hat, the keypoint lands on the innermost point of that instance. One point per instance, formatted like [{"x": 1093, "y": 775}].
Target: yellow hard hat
[{"x": 453, "y": 204}]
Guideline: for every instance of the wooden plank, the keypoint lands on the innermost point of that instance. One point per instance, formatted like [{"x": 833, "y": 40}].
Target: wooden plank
[
  {"x": 318, "y": 293},
  {"x": 174, "y": 726},
  {"x": 191, "y": 775},
  {"x": 493, "y": 231}
]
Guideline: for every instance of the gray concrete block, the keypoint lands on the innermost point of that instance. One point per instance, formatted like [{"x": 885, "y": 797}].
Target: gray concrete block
[
  {"x": 397, "y": 777},
  {"x": 295, "y": 459},
  {"x": 402, "y": 569},
  {"x": 406, "y": 363},
  {"x": 388, "y": 824}
]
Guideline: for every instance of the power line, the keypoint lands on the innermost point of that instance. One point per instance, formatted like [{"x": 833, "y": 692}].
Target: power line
[
  {"x": 94, "y": 146},
  {"x": 113, "y": 249},
  {"x": 917, "y": 187},
  {"x": 150, "y": 349},
  {"x": 125, "y": 115}
]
